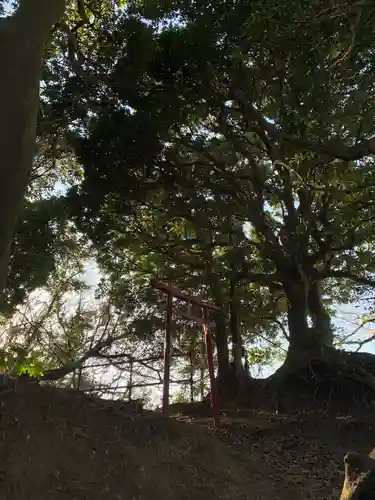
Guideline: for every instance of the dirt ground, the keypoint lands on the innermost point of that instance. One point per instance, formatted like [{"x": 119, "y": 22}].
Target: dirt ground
[{"x": 61, "y": 445}]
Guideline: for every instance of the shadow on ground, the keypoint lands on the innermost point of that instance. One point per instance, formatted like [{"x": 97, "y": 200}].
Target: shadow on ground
[{"x": 61, "y": 445}]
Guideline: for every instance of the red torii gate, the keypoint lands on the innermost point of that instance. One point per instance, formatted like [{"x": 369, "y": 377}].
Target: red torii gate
[{"x": 171, "y": 292}]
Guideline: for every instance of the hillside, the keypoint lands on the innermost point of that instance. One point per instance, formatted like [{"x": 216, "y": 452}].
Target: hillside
[{"x": 62, "y": 445}]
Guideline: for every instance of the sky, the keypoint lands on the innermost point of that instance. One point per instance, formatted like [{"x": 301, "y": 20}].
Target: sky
[{"x": 8, "y": 9}]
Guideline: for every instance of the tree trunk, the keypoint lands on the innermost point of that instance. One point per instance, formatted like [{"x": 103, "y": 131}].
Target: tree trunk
[
  {"x": 221, "y": 336},
  {"x": 297, "y": 316},
  {"x": 304, "y": 342},
  {"x": 23, "y": 38},
  {"x": 319, "y": 316},
  {"x": 233, "y": 305},
  {"x": 299, "y": 333},
  {"x": 234, "y": 329},
  {"x": 221, "y": 331}
]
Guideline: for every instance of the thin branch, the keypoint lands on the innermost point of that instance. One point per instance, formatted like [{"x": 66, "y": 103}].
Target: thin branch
[{"x": 274, "y": 344}]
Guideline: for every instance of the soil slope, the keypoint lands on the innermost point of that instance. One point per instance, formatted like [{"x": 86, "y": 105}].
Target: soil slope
[{"x": 61, "y": 445}]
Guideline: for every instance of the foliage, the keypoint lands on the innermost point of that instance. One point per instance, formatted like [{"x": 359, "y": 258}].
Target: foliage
[
  {"x": 223, "y": 149},
  {"x": 207, "y": 128},
  {"x": 180, "y": 397}
]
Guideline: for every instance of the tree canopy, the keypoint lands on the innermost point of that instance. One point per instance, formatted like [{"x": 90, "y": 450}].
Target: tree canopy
[
  {"x": 222, "y": 147},
  {"x": 209, "y": 128}
]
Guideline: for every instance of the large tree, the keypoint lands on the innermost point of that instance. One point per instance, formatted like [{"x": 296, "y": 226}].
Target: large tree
[
  {"x": 270, "y": 125},
  {"x": 24, "y": 37}
]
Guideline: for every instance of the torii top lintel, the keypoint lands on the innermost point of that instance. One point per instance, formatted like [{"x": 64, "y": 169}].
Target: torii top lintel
[{"x": 170, "y": 290}]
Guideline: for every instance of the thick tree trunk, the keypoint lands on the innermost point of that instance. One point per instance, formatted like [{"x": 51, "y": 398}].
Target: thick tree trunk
[
  {"x": 233, "y": 305},
  {"x": 221, "y": 336},
  {"x": 297, "y": 317},
  {"x": 305, "y": 342},
  {"x": 221, "y": 331},
  {"x": 23, "y": 38},
  {"x": 319, "y": 316}
]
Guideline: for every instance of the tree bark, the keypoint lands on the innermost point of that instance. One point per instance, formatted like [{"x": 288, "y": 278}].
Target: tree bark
[
  {"x": 234, "y": 328},
  {"x": 305, "y": 342},
  {"x": 320, "y": 318},
  {"x": 221, "y": 331},
  {"x": 297, "y": 321},
  {"x": 221, "y": 337},
  {"x": 23, "y": 39}
]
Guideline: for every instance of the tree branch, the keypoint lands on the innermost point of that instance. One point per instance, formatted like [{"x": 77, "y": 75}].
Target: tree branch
[
  {"x": 332, "y": 149},
  {"x": 361, "y": 280},
  {"x": 271, "y": 280},
  {"x": 59, "y": 373}
]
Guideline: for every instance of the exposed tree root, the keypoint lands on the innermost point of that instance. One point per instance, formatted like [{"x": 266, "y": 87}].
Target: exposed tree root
[{"x": 339, "y": 382}]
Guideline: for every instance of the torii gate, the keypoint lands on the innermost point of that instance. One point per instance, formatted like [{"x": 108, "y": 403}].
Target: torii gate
[{"x": 171, "y": 292}]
